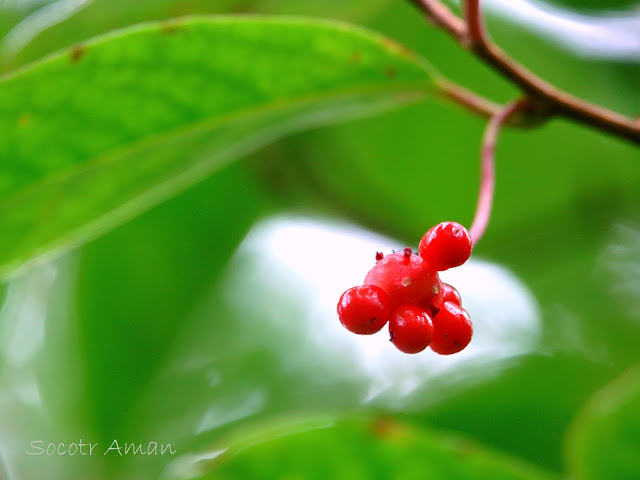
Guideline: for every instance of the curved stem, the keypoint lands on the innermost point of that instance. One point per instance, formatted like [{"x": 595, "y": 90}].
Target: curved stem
[{"x": 488, "y": 171}]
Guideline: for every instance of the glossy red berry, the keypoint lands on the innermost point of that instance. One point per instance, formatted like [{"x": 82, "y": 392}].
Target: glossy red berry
[
  {"x": 446, "y": 245},
  {"x": 450, "y": 294},
  {"x": 410, "y": 328},
  {"x": 364, "y": 309},
  {"x": 405, "y": 278},
  {"x": 452, "y": 329}
]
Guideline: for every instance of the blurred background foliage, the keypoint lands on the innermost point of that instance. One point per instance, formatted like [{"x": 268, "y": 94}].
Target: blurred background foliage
[{"x": 132, "y": 322}]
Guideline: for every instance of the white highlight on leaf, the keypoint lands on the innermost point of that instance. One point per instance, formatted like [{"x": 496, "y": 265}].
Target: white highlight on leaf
[
  {"x": 23, "y": 314},
  {"x": 34, "y": 329},
  {"x": 611, "y": 35},
  {"x": 620, "y": 263},
  {"x": 243, "y": 406},
  {"x": 189, "y": 465},
  {"x": 37, "y": 22}
]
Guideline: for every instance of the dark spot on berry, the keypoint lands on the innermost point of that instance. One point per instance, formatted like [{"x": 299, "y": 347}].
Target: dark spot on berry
[
  {"x": 77, "y": 53},
  {"x": 390, "y": 336},
  {"x": 372, "y": 320},
  {"x": 457, "y": 345},
  {"x": 390, "y": 72},
  {"x": 407, "y": 252}
]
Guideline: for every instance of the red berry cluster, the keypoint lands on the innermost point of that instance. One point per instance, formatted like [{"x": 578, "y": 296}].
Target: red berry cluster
[{"x": 405, "y": 290}]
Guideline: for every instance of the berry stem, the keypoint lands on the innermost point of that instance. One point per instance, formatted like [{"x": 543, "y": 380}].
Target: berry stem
[{"x": 488, "y": 170}]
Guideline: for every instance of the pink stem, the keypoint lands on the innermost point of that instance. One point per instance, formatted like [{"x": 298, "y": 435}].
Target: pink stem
[{"x": 488, "y": 172}]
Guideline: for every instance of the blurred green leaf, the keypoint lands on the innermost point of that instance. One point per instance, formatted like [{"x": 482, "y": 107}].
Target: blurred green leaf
[
  {"x": 347, "y": 449},
  {"x": 97, "y": 134},
  {"x": 605, "y": 439}
]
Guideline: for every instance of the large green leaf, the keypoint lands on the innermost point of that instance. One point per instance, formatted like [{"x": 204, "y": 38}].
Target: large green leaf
[
  {"x": 97, "y": 134},
  {"x": 346, "y": 449},
  {"x": 605, "y": 439}
]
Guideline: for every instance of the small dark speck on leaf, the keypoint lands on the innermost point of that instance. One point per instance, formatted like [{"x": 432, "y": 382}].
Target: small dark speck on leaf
[
  {"x": 356, "y": 58},
  {"x": 390, "y": 72},
  {"x": 77, "y": 53},
  {"x": 24, "y": 120},
  {"x": 465, "y": 449},
  {"x": 388, "y": 429},
  {"x": 169, "y": 28}
]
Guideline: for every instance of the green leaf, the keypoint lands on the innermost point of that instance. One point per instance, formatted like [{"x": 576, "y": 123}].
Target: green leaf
[
  {"x": 346, "y": 449},
  {"x": 97, "y": 134},
  {"x": 605, "y": 439}
]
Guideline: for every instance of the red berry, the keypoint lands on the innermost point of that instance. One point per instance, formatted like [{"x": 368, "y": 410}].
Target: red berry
[
  {"x": 364, "y": 309},
  {"x": 410, "y": 328},
  {"x": 446, "y": 245},
  {"x": 406, "y": 279},
  {"x": 450, "y": 294},
  {"x": 379, "y": 256},
  {"x": 452, "y": 329}
]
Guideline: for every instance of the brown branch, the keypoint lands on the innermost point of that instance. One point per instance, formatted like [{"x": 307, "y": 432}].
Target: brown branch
[
  {"x": 475, "y": 29},
  {"x": 551, "y": 100},
  {"x": 442, "y": 16}
]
